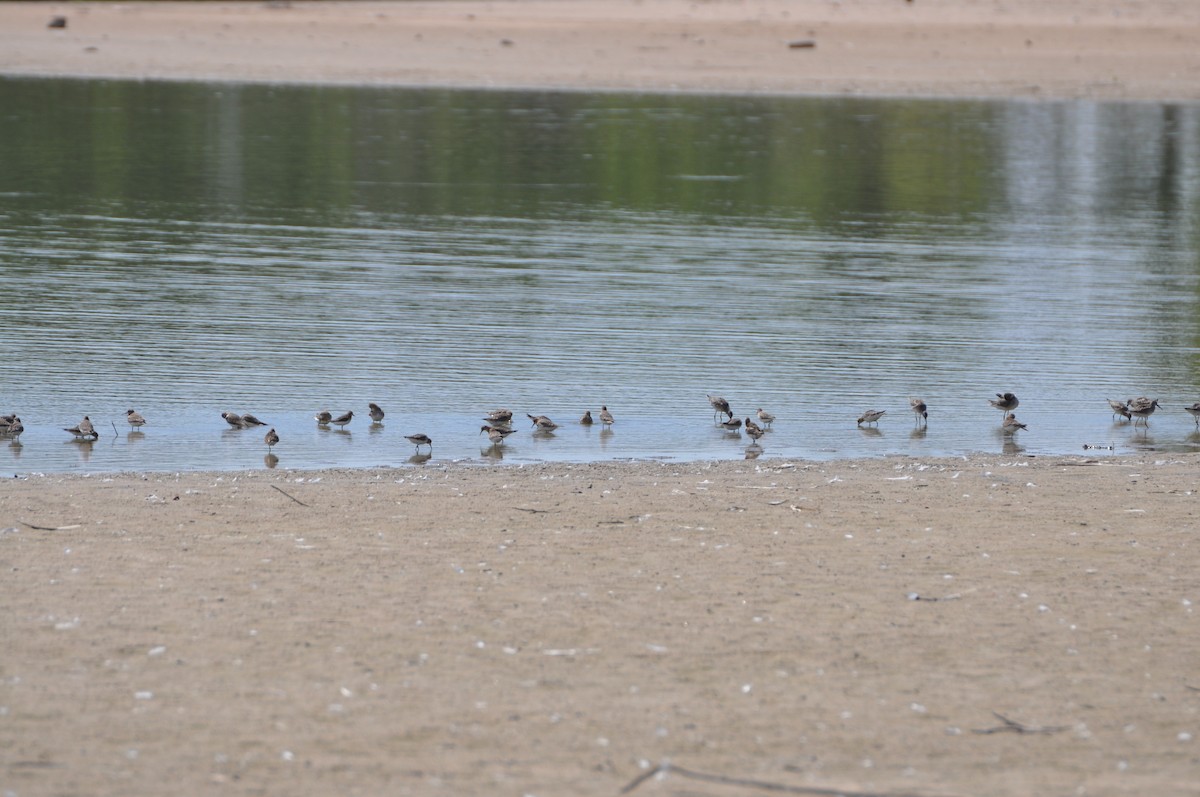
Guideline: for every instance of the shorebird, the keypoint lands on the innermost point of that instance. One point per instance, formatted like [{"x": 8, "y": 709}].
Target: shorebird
[
  {"x": 920, "y": 409},
  {"x": 1194, "y": 410},
  {"x": 586, "y": 420},
  {"x": 499, "y": 416},
  {"x": 1119, "y": 408},
  {"x": 1011, "y": 424},
  {"x": 871, "y": 416},
  {"x": 1142, "y": 407},
  {"x": 606, "y": 417},
  {"x": 233, "y": 419},
  {"x": 323, "y": 417},
  {"x": 754, "y": 430},
  {"x": 84, "y": 429},
  {"x": 6, "y": 421},
  {"x": 271, "y": 439},
  {"x": 496, "y": 434},
  {"x": 376, "y": 412},
  {"x": 135, "y": 419},
  {"x": 249, "y": 420},
  {"x": 766, "y": 417},
  {"x": 419, "y": 440},
  {"x": 14, "y": 428},
  {"x": 341, "y": 420},
  {"x": 541, "y": 423},
  {"x": 720, "y": 405},
  {"x": 1005, "y": 402},
  {"x": 733, "y": 424}
]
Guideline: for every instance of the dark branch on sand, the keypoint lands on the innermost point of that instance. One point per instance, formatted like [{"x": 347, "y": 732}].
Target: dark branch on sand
[
  {"x": 781, "y": 788},
  {"x": 1016, "y": 727},
  {"x": 301, "y": 503}
]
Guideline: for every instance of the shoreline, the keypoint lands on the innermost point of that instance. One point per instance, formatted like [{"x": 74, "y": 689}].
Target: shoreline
[
  {"x": 1022, "y": 49},
  {"x": 562, "y": 629}
]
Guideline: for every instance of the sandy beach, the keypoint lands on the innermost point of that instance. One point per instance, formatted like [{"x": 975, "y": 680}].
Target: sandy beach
[
  {"x": 1101, "y": 49},
  {"x": 557, "y": 629},
  {"x": 971, "y": 626}
]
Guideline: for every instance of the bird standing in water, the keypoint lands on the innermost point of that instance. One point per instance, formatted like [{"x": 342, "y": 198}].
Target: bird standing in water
[
  {"x": 419, "y": 440},
  {"x": 1011, "y": 424},
  {"x": 720, "y": 405},
  {"x": 496, "y": 434},
  {"x": 1005, "y": 402},
  {"x": 871, "y": 416},
  {"x": 920, "y": 409}
]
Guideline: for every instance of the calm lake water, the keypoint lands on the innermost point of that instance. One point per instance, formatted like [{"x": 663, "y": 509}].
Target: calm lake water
[{"x": 185, "y": 249}]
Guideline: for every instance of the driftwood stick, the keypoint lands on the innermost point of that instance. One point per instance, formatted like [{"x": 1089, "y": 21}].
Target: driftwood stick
[
  {"x": 781, "y": 788},
  {"x": 1017, "y": 727},
  {"x": 47, "y": 528},
  {"x": 301, "y": 503},
  {"x": 642, "y": 778}
]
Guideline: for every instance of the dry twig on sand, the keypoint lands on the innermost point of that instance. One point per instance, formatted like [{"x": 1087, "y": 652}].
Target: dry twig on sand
[
  {"x": 298, "y": 501},
  {"x": 780, "y": 788},
  {"x": 1017, "y": 727}
]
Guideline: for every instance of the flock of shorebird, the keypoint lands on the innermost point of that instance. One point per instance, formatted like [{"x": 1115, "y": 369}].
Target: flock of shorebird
[{"x": 498, "y": 423}]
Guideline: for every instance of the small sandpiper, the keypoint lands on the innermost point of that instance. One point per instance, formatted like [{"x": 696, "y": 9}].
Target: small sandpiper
[
  {"x": 1005, "y": 402},
  {"x": 496, "y": 434},
  {"x": 766, "y": 417},
  {"x": 586, "y": 420},
  {"x": 323, "y": 417},
  {"x": 135, "y": 419},
  {"x": 720, "y": 405},
  {"x": 1142, "y": 407},
  {"x": 920, "y": 409},
  {"x": 1011, "y": 424},
  {"x": 871, "y": 416},
  {"x": 754, "y": 430},
  {"x": 732, "y": 424},
  {"x": 1194, "y": 411},
  {"x": 14, "y": 427},
  {"x": 84, "y": 429},
  {"x": 271, "y": 439},
  {"x": 419, "y": 440},
  {"x": 1119, "y": 408},
  {"x": 341, "y": 420},
  {"x": 376, "y": 412},
  {"x": 499, "y": 416},
  {"x": 606, "y": 417},
  {"x": 541, "y": 423}
]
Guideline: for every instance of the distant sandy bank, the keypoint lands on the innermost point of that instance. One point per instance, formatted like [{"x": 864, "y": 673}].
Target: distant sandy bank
[{"x": 1101, "y": 49}]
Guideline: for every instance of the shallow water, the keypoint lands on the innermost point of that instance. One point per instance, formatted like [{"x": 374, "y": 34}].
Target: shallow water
[{"x": 187, "y": 249}]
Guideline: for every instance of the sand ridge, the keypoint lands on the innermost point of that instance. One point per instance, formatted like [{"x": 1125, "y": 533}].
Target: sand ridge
[{"x": 1096, "y": 49}]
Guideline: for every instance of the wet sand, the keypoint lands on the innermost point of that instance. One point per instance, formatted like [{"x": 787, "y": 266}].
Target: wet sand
[
  {"x": 1102, "y": 49},
  {"x": 977, "y": 626},
  {"x": 559, "y": 629}
]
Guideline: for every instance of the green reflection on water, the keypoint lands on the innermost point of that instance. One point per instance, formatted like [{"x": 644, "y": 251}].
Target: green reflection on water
[{"x": 314, "y": 155}]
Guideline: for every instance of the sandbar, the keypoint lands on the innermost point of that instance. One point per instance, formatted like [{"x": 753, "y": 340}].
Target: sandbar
[
  {"x": 1052, "y": 49},
  {"x": 966, "y": 626}
]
